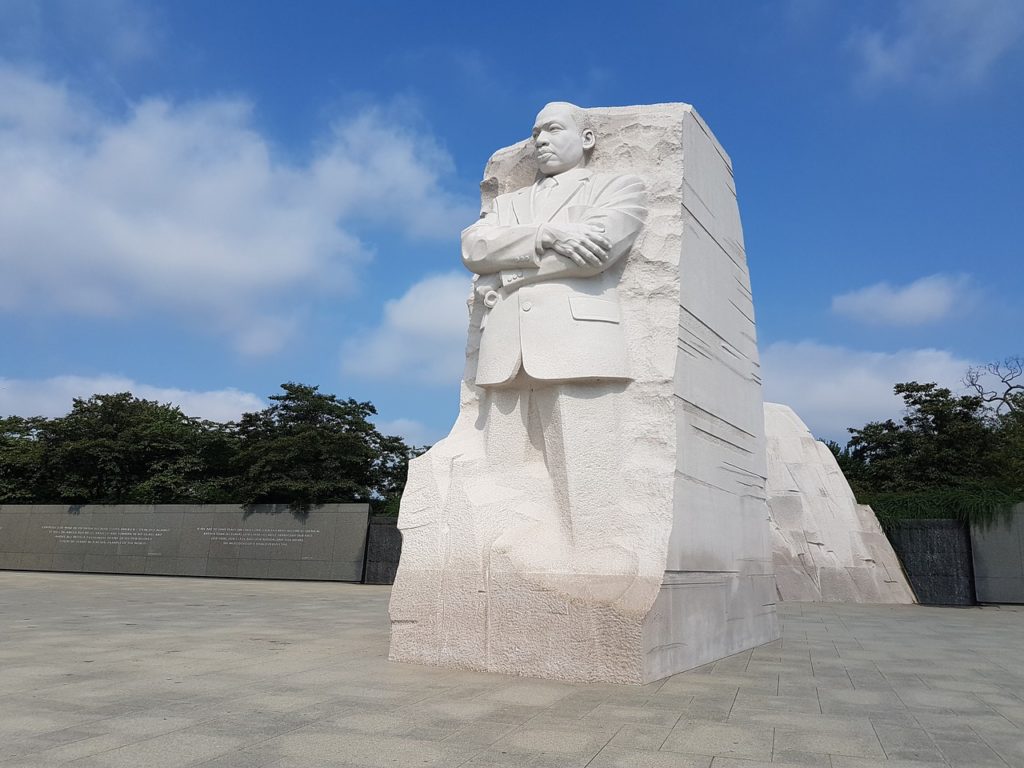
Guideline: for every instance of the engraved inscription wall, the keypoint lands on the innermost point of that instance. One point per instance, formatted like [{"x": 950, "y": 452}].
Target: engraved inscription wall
[{"x": 181, "y": 540}]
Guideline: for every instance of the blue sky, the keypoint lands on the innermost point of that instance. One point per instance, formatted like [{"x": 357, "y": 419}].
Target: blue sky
[{"x": 200, "y": 201}]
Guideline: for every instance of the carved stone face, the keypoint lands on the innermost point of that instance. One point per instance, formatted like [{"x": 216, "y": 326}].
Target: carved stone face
[{"x": 559, "y": 143}]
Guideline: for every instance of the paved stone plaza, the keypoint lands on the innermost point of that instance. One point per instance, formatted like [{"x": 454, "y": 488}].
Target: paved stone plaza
[{"x": 142, "y": 672}]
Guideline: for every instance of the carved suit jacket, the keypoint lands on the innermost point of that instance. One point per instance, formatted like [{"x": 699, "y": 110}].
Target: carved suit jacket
[{"x": 555, "y": 319}]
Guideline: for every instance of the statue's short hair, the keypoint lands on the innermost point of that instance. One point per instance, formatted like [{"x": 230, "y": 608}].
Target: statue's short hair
[{"x": 579, "y": 115}]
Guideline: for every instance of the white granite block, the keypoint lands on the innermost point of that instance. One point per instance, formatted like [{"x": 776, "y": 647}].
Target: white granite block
[
  {"x": 826, "y": 546},
  {"x": 598, "y": 526}
]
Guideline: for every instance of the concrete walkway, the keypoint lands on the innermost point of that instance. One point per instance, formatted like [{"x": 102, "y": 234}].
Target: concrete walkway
[{"x": 139, "y": 672}]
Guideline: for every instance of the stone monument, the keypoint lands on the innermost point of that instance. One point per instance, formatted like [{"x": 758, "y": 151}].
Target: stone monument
[
  {"x": 597, "y": 512},
  {"x": 826, "y": 546}
]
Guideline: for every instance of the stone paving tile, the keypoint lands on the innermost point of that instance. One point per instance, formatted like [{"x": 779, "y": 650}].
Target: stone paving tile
[
  {"x": 529, "y": 693},
  {"x": 481, "y": 732},
  {"x": 617, "y": 713},
  {"x": 1010, "y": 747},
  {"x": 248, "y": 758},
  {"x": 756, "y": 701},
  {"x": 369, "y": 749},
  {"x": 842, "y": 761},
  {"x": 726, "y": 739},
  {"x": 72, "y": 750},
  {"x": 110, "y": 671},
  {"x": 859, "y": 701},
  {"x": 847, "y": 741},
  {"x": 788, "y": 760},
  {"x": 802, "y": 759},
  {"x": 167, "y": 751},
  {"x": 670, "y": 701},
  {"x": 557, "y": 740},
  {"x": 968, "y": 753},
  {"x": 907, "y": 743},
  {"x": 616, "y": 757},
  {"x": 496, "y": 758},
  {"x": 639, "y": 736}
]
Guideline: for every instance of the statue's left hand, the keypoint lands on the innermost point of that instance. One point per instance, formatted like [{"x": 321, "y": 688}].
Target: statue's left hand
[{"x": 583, "y": 244}]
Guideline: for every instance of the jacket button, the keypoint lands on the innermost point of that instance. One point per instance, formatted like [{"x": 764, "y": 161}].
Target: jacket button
[{"x": 527, "y": 306}]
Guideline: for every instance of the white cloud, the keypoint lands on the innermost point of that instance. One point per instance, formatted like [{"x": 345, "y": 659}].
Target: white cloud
[
  {"x": 939, "y": 45},
  {"x": 422, "y": 336},
  {"x": 53, "y": 396},
  {"x": 832, "y": 388},
  {"x": 926, "y": 300},
  {"x": 186, "y": 209}
]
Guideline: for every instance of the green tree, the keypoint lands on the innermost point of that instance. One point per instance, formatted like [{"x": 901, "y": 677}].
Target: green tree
[
  {"x": 390, "y": 470},
  {"x": 943, "y": 441},
  {"x": 1009, "y": 438},
  {"x": 308, "y": 448},
  {"x": 21, "y": 459},
  {"x": 120, "y": 449}
]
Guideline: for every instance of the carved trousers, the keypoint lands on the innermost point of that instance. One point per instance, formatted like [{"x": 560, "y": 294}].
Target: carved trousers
[{"x": 559, "y": 446}]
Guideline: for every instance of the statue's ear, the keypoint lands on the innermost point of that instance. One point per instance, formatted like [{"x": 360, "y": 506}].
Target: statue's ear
[{"x": 589, "y": 139}]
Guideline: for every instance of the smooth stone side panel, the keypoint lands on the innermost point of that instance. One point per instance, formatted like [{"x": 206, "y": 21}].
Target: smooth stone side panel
[
  {"x": 219, "y": 540},
  {"x": 718, "y": 594},
  {"x": 999, "y": 559}
]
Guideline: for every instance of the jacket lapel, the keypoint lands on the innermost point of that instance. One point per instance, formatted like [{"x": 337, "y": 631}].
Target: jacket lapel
[
  {"x": 522, "y": 205},
  {"x": 569, "y": 185}
]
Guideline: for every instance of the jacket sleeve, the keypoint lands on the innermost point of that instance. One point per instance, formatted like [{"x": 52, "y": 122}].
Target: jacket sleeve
[
  {"x": 488, "y": 247},
  {"x": 619, "y": 205}
]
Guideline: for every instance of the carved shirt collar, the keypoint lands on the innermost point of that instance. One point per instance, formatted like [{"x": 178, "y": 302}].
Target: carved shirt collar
[{"x": 572, "y": 176}]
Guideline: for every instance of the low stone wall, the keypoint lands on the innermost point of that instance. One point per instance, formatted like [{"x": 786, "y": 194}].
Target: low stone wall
[
  {"x": 936, "y": 555},
  {"x": 224, "y": 540},
  {"x": 999, "y": 559}
]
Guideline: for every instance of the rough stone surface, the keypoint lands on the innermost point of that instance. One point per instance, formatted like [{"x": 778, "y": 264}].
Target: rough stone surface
[
  {"x": 825, "y": 545},
  {"x": 485, "y": 582}
]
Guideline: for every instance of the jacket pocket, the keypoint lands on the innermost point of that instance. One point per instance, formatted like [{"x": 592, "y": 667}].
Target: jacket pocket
[{"x": 589, "y": 308}]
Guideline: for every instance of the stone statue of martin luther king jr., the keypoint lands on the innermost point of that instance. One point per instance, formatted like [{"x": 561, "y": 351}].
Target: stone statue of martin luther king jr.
[
  {"x": 545, "y": 251},
  {"x": 553, "y": 358}
]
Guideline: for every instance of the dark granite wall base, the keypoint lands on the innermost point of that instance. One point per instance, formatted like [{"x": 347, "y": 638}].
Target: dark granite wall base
[
  {"x": 383, "y": 548},
  {"x": 999, "y": 559},
  {"x": 265, "y": 542},
  {"x": 936, "y": 554}
]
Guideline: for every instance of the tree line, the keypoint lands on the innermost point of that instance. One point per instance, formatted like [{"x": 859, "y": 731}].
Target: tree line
[
  {"x": 951, "y": 455},
  {"x": 306, "y": 448}
]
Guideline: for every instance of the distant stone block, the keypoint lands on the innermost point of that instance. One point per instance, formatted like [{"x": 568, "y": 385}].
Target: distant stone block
[{"x": 826, "y": 546}]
